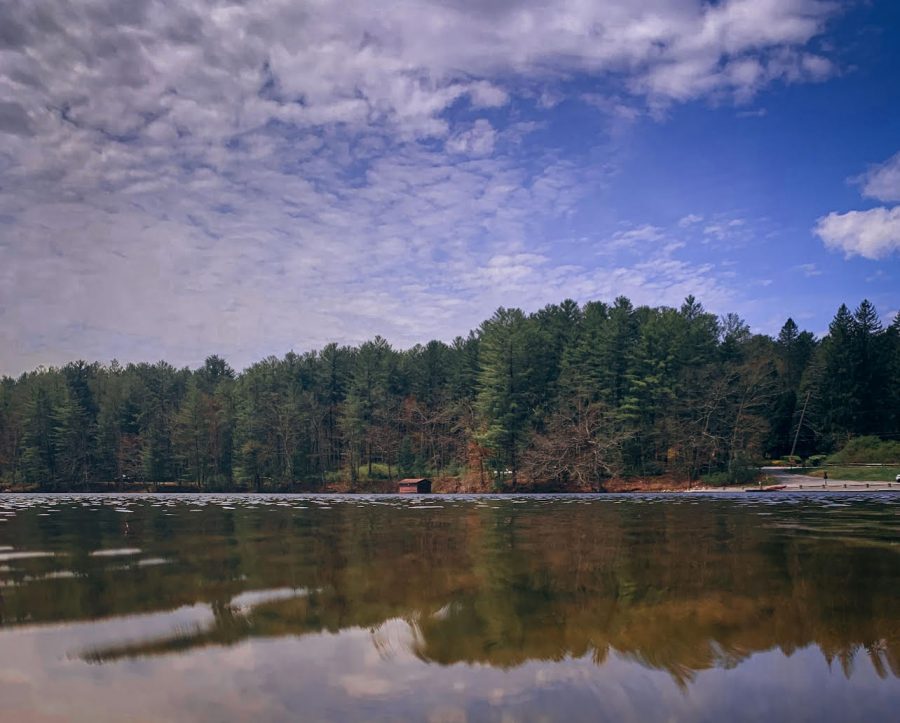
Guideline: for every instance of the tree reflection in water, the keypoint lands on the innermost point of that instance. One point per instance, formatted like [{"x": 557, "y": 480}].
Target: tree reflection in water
[{"x": 676, "y": 584}]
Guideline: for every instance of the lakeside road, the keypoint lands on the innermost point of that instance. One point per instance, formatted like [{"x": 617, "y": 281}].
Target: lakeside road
[{"x": 793, "y": 482}]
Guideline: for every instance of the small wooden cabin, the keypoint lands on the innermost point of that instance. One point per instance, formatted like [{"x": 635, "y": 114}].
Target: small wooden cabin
[{"x": 414, "y": 485}]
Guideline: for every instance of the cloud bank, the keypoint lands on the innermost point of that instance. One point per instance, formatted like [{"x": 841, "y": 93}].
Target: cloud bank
[{"x": 181, "y": 178}]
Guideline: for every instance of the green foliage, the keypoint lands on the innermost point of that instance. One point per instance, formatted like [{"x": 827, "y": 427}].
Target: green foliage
[
  {"x": 739, "y": 475},
  {"x": 716, "y": 479},
  {"x": 852, "y": 381},
  {"x": 861, "y": 450},
  {"x": 569, "y": 395},
  {"x": 377, "y": 472},
  {"x": 855, "y": 473},
  {"x": 513, "y": 362}
]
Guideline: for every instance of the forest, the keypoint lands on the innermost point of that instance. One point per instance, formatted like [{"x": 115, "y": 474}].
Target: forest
[{"x": 566, "y": 398}]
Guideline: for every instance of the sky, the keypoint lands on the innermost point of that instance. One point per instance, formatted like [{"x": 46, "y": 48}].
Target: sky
[{"x": 179, "y": 179}]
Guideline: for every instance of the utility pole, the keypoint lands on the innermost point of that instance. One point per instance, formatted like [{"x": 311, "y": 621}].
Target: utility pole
[{"x": 800, "y": 423}]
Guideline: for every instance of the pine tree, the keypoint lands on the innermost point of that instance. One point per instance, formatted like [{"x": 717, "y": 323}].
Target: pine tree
[
  {"x": 832, "y": 385},
  {"x": 892, "y": 367},
  {"x": 510, "y": 349},
  {"x": 39, "y": 457},
  {"x": 870, "y": 370},
  {"x": 73, "y": 440},
  {"x": 793, "y": 352}
]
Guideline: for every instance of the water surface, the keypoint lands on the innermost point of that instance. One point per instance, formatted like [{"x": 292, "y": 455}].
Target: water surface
[{"x": 576, "y": 608}]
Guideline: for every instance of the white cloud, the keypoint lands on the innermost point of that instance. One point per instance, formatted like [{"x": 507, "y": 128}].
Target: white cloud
[
  {"x": 476, "y": 141},
  {"x": 755, "y": 113},
  {"x": 633, "y": 237},
  {"x": 882, "y": 182},
  {"x": 249, "y": 177},
  {"x": 487, "y": 95},
  {"x": 872, "y": 234},
  {"x": 690, "y": 220},
  {"x": 615, "y": 107},
  {"x": 726, "y": 229},
  {"x": 809, "y": 270},
  {"x": 119, "y": 66}
]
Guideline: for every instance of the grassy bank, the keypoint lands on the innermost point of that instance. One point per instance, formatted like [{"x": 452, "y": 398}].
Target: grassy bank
[{"x": 854, "y": 473}]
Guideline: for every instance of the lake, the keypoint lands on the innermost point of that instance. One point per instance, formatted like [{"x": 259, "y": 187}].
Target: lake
[{"x": 433, "y": 608}]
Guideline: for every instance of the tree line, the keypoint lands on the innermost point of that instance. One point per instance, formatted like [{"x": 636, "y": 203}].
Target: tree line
[{"x": 566, "y": 397}]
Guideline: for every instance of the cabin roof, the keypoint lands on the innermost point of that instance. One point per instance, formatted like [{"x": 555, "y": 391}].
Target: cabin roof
[{"x": 412, "y": 480}]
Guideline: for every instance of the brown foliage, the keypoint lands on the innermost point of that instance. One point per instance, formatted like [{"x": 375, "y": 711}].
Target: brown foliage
[{"x": 581, "y": 446}]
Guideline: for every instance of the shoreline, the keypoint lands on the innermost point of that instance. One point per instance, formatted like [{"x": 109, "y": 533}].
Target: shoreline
[
  {"x": 832, "y": 488},
  {"x": 771, "y": 481}
]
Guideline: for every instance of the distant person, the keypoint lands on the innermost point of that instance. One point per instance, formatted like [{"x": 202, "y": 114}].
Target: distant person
[{"x": 825, "y": 475}]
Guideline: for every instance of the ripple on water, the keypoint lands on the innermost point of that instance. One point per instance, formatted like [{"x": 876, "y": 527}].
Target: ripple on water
[
  {"x": 117, "y": 552},
  {"x": 59, "y": 575},
  {"x": 28, "y": 579},
  {"x": 10, "y": 556},
  {"x": 251, "y": 598},
  {"x": 151, "y": 561}
]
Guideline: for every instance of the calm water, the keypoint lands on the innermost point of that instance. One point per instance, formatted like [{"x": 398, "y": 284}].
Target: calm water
[{"x": 449, "y": 609}]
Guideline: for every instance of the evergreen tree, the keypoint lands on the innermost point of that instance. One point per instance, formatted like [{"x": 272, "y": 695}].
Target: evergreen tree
[
  {"x": 73, "y": 440},
  {"x": 870, "y": 370},
  {"x": 39, "y": 458},
  {"x": 793, "y": 352},
  {"x": 510, "y": 351}
]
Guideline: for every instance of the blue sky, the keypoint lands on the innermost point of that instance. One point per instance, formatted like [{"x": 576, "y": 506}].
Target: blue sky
[{"x": 248, "y": 178}]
